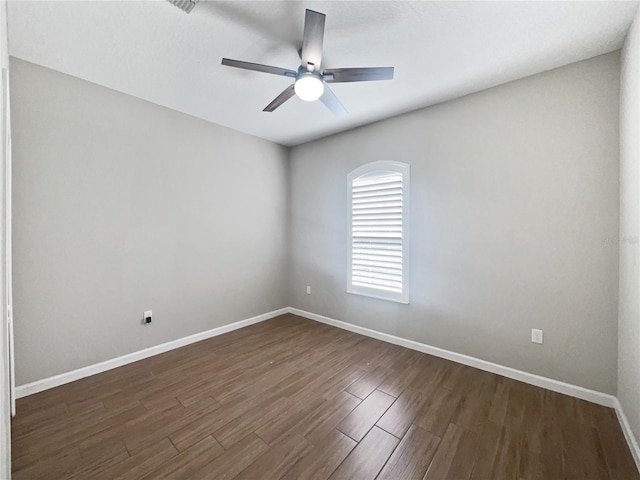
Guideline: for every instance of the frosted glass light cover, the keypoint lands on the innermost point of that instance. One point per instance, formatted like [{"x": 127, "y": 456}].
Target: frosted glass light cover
[{"x": 309, "y": 88}]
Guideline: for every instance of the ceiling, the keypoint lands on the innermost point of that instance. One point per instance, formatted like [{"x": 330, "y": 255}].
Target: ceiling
[{"x": 440, "y": 50}]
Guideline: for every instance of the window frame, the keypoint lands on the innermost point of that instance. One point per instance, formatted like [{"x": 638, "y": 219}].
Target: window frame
[{"x": 372, "y": 167}]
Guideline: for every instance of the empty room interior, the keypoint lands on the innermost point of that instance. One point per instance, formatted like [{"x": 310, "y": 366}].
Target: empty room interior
[{"x": 320, "y": 240}]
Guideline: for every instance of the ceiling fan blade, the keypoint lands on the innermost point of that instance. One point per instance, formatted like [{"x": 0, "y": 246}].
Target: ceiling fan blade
[
  {"x": 259, "y": 67},
  {"x": 312, "y": 38},
  {"x": 286, "y": 94},
  {"x": 332, "y": 103},
  {"x": 339, "y": 75}
]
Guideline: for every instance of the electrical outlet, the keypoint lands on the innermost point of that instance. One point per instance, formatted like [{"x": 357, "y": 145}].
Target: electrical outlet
[
  {"x": 147, "y": 316},
  {"x": 537, "y": 336},
  {"x": 308, "y": 290}
]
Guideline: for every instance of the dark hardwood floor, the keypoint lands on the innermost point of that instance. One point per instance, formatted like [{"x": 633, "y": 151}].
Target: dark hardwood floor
[{"x": 294, "y": 399}]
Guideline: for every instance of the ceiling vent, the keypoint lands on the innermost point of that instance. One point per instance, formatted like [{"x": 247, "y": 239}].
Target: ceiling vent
[{"x": 185, "y": 5}]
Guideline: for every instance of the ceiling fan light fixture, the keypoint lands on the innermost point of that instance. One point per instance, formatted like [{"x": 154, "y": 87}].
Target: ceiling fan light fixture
[
  {"x": 312, "y": 83},
  {"x": 309, "y": 87}
]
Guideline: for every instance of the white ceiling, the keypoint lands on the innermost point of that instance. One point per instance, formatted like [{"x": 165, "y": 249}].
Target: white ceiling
[{"x": 440, "y": 50}]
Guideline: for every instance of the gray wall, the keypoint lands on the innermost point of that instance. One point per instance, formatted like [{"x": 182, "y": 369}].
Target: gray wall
[
  {"x": 514, "y": 223},
  {"x": 122, "y": 206},
  {"x": 629, "y": 316}
]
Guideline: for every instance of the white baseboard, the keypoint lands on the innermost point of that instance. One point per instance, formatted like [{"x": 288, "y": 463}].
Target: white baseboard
[
  {"x": 530, "y": 378},
  {"x": 51, "y": 382},
  {"x": 628, "y": 433}
]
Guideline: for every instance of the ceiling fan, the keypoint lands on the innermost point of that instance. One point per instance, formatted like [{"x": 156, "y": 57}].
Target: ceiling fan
[{"x": 310, "y": 81}]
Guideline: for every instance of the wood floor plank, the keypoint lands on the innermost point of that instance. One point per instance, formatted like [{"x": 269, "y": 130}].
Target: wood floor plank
[
  {"x": 340, "y": 381},
  {"x": 92, "y": 469},
  {"x": 34, "y": 448},
  {"x": 292, "y": 398},
  {"x": 514, "y": 415},
  {"x": 136, "y": 466},
  {"x": 250, "y": 421},
  {"x": 34, "y": 419},
  {"x": 582, "y": 452},
  {"x": 395, "y": 384},
  {"x": 499, "y": 454},
  {"x": 534, "y": 422},
  {"x": 141, "y": 434},
  {"x": 234, "y": 461},
  {"x": 456, "y": 455},
  {"x": 364, "y": 416},
  {"x": 119, "y": 431},
  {"x": 46, "y": 467},
  {"x": 620, "y": 463},
  {"x": 42, "y": 427},
  {"x": 367, "y": 459},
  {"x": 185, "y": 464},
  {"x": 412, "y": 457},
  {"x": 551, "y": 438},
  {"x": 216, "y": 420},
  {"x": 253, "y": 382},
  {"x": 327, "y": 417},
  {"x": 531, "y": 466},
  {"x": 476, "y": 396},
  {"x": 448, "y": 374},
  {"x": 399, "y": 417},
  {"x": 319, "y": 376},
  {"x": 322, "y": 460},
  {"x": 278, "y": 460},
  {"x": 368, "y": 382},
  {"x": 435, "y": 414},
  {"x": 187, "y": 436},
  {"x": 288, "y": 419},
  {"x": 95, "y": 452}
]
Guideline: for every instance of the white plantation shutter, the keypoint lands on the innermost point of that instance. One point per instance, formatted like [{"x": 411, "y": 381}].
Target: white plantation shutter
[{"x": 378, "y": 233}]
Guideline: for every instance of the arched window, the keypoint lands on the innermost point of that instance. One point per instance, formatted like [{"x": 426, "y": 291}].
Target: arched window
[{"x": 378, "y": 260}]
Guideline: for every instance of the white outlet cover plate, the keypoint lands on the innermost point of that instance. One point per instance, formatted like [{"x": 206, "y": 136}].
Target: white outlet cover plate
[{"x": 537, "y": 336}]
